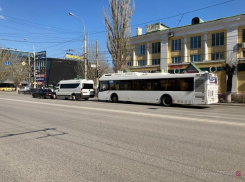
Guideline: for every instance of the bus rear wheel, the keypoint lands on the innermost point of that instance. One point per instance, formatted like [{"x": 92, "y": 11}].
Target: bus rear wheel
[
  {"x": 167, "y": 101},
  {"x": 114, "y": 98}
]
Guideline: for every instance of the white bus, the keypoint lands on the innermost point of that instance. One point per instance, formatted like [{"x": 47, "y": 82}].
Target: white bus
[{"x": 162, "y": 88}]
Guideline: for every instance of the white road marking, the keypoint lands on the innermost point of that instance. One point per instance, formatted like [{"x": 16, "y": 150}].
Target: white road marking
[{"x": 136, "y": 113}]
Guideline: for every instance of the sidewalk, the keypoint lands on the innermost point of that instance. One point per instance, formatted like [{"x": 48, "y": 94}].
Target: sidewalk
[{"x": 230, "y": 104}]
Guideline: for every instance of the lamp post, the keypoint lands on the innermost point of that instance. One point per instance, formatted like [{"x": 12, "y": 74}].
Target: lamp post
[
  {"x": 85, "y": 49},
  {"x": 34, "y": 64}
]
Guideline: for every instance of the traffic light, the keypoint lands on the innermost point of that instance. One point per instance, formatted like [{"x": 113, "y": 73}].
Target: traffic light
[{"x": 98, "y": 73}]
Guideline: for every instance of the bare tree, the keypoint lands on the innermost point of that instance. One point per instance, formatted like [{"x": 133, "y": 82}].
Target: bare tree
[
  {"x": 118, "y": 31},
  {"x": 230, "y": 68},
  {"x": 19, "y": 71},
  {"x": 4, "y": 69},
  {"x": 91, "y": 56}
]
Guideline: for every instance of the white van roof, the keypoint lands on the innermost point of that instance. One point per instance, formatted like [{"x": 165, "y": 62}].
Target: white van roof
[{"x": 76, "y": 81}]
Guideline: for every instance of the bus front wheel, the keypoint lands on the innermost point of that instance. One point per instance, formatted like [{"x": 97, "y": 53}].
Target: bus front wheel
[
  {"x": 114, "y": 98},
  {"x": 167, "y": 101}
]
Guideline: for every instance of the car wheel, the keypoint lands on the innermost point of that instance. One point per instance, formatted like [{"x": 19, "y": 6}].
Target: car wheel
[
  {"x": 167, "y": 101},
  {"x": 33, "y": 96},
  {"x": 86, "y": 99}
]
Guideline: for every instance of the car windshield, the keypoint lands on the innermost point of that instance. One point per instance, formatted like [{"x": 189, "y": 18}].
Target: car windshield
[{"x": 47, "y": 90}]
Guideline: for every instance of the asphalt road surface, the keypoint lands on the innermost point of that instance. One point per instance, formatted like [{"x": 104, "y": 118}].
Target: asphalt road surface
[{"x": 46, "y": 140}]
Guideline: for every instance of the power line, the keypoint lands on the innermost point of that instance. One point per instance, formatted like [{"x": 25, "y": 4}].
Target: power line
[{"x": 67, "y": 31}]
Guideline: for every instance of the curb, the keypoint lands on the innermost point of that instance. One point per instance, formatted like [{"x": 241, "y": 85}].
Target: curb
[{"x": 229, "y": 104}]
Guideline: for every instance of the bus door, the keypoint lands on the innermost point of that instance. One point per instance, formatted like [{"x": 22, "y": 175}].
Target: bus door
[{"x": 212, "y": 88}]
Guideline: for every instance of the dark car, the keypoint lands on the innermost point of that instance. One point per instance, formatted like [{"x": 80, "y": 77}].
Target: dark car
[
  {"x": 30, "y": 91},
  {"x": 44, "y": 93}
]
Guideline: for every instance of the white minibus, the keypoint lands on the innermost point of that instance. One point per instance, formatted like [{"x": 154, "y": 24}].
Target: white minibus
[{"x": 75, "y": 89}]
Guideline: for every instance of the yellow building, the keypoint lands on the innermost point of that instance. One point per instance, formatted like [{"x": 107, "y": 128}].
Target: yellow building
[{"x": 209, "y": 45}]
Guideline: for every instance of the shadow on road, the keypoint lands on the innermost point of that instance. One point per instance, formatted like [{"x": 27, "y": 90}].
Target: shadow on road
[
  {"x": 46, "y": 134},
  {"x": 157, "y": 105}
]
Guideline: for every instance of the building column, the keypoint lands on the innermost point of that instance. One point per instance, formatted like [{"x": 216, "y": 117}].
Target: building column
[
  {"x": 231, "y": 54},
  {"x": 134, "y": 61},
  {"x": 148, "y": 53},
  {"x": 164, "y": 54},
  {"x": 206, "y": 46},
  {"x": 185, "y": 48}
]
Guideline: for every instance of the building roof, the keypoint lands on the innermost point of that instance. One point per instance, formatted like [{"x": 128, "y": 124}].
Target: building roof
[{"x": 169, "y": 29}]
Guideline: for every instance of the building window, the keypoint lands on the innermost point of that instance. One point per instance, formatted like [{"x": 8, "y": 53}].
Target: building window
[
  {"x": 195, "y": 58},
  {"x": 243, "y": 35},
  {"x": 176, "y": 59},
  {"x": 196, "y": 42},
  {"x": 156, "y": 47},
  {"x": 129, "y": 63},
  {"x": 141, "y": 63},
  {"x": 155, "y": 61},
  {"x": 176, "y": 45},
  {"x": 141, "y": 50},
  {"x": 243, "y": 54},
  {"x": 218, "y": 39},
  {"x": 217, "y": 56}
]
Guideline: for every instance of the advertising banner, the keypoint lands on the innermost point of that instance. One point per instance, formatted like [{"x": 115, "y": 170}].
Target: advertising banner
[
  {"x": 40, "y": 79},
  {"x": 69, "y": 55}
]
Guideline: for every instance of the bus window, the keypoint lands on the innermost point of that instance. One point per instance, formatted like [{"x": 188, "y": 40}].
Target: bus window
[
  {"x": 126, "y": 85},
  {"x": 104, "y": 85},
  {"x": 184, "y": 84},
  {"x": 163, "y": 84},
  {"x": 137, "y": 85},
  {"x": 151, "y": 84},
  {"x": 112, "y": 85}
]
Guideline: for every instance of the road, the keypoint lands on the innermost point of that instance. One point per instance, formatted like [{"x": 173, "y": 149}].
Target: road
[{"x": 46, "y": 140}]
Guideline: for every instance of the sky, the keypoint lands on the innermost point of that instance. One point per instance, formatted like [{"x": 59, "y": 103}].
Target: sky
[{"x": 46, "y": 25}]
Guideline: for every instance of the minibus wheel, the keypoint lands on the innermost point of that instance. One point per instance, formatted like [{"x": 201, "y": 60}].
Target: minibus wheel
[{"x": 73, "y": 97}]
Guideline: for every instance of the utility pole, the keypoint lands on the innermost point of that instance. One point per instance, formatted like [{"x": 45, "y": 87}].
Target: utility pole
[
  {"x": 97, "y": 63},
  {"x": 85, "y": 48},
  {"x": 85, "y": 57},
  {"x": 34, "y": 66},
  {"x": 29, "y": 75}
]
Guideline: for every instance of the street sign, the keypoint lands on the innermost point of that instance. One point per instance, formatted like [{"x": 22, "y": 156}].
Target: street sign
[
  {"x": 23, "y": 63},
  {"x": 40, "y": 79},
  {"x": 93, "y": 65},
  {"x": 35, "y": 83},
  {"x": 7, "y": 63},
  {"x": 40, "y": 75},
  {"x": 212, "y": 80},
  {"x": 40, "y": 83},
  {"x": 41, "y": 55}
]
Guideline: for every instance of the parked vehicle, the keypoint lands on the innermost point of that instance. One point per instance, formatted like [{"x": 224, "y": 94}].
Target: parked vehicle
[
  {"x": 75, "y": 89},
  {"x": 23, "y": 89},
  {"x": 163, "y": 88},
  {"x": 29, "y": 91},
  {"x": 44, "y": 93}
]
